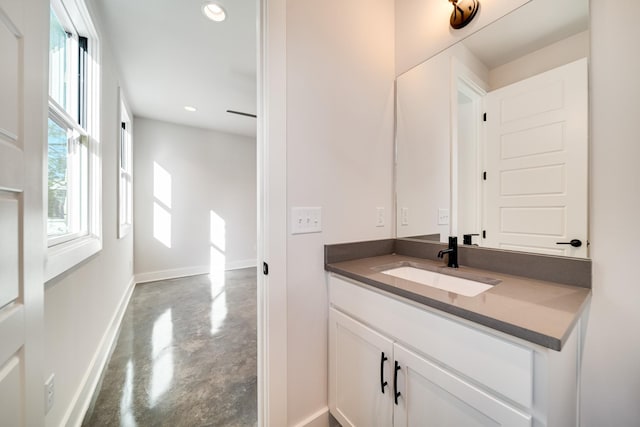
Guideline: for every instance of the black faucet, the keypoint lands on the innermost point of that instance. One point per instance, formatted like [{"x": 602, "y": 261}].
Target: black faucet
[{"x": 452, "y": 261}]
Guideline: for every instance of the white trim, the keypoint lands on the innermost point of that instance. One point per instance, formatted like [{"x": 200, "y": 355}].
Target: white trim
[
  {"x": 174, "y": 273},
  {"x": 82, "y": 398},
  {"x": 465, "y": 80},
  {"x": 272, "y": 213},
  {"x": 124, "y": 225},
  {"x": 153, "y": 276},
  {"x": 318, "y": 419},
  {"x": 65, "y": 256},
  {"x": 243, "y": 263},
  {"x": 62, "y": 257}
]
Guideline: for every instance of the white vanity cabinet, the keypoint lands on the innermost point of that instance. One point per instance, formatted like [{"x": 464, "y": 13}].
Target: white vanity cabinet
[
  {"x": 447, "y": 372},
  {"x": 358, "y": 396},
  {"x": 433, "y": 396}
]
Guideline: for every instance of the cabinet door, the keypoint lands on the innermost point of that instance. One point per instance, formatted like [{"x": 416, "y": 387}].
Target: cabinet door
[
  {"x": 356, "y": 365},
  {"x": 432, "y": 396}
]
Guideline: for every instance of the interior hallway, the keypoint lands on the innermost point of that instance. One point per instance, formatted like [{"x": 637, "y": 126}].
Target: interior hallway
[{"x": 185, "y": 356}]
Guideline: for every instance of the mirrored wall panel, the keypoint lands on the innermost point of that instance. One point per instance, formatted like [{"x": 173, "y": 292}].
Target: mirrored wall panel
[{"x": 492, "y": 135}]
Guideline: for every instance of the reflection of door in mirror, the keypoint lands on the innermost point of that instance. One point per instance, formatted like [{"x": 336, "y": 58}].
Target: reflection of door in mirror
[
  {"x": 441, "y": 141},
  {"x": 535, "y": 197},
  {"x": 522, "y": 183}
]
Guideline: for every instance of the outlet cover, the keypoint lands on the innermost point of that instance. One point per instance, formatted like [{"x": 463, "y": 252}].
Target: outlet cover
[
  {"x": 379, "y": 217},
  {"x": 404, "y": 216},
  {"x": 443, "y": 216},
  {"x": 49, "y": 393}
]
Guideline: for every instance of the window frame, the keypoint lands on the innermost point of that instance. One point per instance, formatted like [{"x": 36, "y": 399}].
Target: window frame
[
  {"x": 67, "y": 251},
  {"x": 125, "y": 167}
]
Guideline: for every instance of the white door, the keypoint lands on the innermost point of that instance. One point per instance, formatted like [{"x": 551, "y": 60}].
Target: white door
[
  {"x": 433, "y": 396},
  {"x": 18, "y": 344},
  {"x": 536, "y": 154},
  {"x": 360, "y": 373}
]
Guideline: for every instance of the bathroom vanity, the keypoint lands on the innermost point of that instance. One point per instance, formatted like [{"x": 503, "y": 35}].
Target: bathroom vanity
[
  {"x": 403, "y": 352},
  {"x": 491, "y": 147}
]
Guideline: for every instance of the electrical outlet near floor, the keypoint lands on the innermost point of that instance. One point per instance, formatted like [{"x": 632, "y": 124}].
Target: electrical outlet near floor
[{"x": 49, "y": 392}]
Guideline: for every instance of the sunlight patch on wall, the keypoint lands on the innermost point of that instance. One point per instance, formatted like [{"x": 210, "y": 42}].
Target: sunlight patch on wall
[
  {"x": 217, "y": 231},
  {"x": 162, "y": 205},
  {"x": 162, "y": 225},
  {"x": 161, "y": 185}
]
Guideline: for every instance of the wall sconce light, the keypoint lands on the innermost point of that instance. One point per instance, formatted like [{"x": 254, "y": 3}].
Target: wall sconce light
[{"x": 463, "y": 12}]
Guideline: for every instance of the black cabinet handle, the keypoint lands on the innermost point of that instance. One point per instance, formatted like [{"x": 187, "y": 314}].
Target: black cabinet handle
[
  {"x": 383, "y": 383},
  {"x": 396, "y": 393},
  {"x": 575, "y": 243}
]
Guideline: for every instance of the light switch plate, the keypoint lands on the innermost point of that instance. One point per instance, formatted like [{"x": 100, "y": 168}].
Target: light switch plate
[
  {"x": 404, "y": 216},
  {"x": 306, "y": 220},
  {"x": 443, "y": 216},
  {"x": 379, "y": 217}
]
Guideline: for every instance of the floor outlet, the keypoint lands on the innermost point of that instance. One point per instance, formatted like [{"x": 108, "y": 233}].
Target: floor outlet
[{"x": 49, "y": 393}]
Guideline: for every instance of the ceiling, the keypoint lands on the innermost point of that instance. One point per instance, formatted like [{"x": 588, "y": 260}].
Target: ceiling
[{"x": 170, "y": 55}]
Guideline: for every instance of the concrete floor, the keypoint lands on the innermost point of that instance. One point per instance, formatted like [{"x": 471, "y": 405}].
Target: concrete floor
[{"x": 185, "y": 356}]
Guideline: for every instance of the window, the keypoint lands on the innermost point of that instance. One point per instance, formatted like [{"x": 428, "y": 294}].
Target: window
[
  {"x": 73, "y": 204},
  {"x": 125, "y": 182}
]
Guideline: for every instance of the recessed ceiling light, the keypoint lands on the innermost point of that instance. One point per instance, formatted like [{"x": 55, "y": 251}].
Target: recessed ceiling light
[
  {"x": 214, "y": 11},
  {"x": 190, "y": 108}
]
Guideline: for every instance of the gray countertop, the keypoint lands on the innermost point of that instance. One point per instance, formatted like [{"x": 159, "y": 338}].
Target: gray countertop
[{"x": 537, "y": 311}]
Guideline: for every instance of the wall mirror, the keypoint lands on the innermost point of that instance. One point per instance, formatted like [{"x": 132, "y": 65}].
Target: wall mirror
[{"x": 492, "y": 135}]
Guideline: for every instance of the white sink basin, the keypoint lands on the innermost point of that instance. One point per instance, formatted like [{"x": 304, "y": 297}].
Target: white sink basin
[{"x": 469, "y": 288}]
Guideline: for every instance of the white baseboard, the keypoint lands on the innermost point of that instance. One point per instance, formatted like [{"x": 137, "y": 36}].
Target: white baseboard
[
  {"x": 171, "y": 274},
  {"x": 243, "y": 263},
  {"x": 82, "y": 398},
  {"x": 190, "y": 271},
  {"x": 318, "y": 419}
]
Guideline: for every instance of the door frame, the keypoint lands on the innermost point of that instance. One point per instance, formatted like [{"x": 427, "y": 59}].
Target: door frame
[
  {"x": 272, "y": 214},
  {"x": 464, "y": 80}
]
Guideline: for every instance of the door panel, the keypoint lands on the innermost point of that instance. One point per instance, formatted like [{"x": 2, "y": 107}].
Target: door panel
[
  {"x": 12, "y": 309},
  {"x": 9, "y": 80},
  {"x": 536, "y": 151},
  {"x": 11, "y": 392},
  {"x": 432, "y": 396},
  {"x": 9, "y": 286},
  {"x": 356, "y": 397}
]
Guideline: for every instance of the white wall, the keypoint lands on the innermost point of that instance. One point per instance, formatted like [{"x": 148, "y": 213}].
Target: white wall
[
  {"x": 339, "y": 156},
  {"x": 545, "y": 59},
  {"x": 80, "y": 305},
  {"x": 213, "y": 174},
  {"x": 611, "y": 362}
]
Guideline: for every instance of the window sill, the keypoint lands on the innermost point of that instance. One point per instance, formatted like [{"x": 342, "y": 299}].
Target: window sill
[{"x": 65, "y": 256}]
